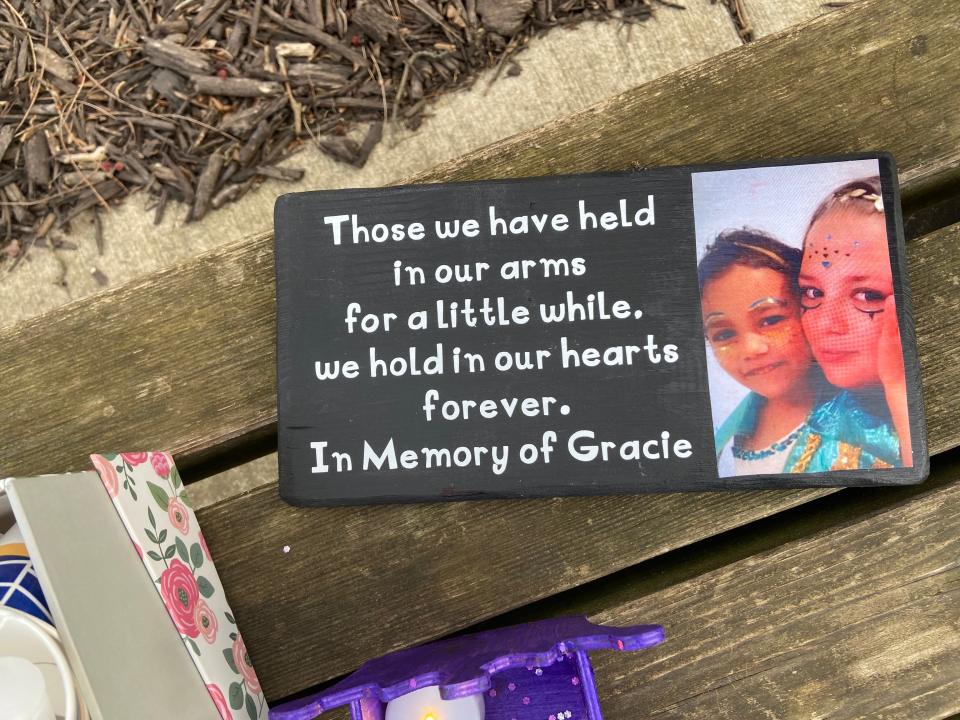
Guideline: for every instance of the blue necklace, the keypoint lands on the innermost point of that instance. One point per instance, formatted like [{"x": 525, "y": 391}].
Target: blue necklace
[{"x": 779, "y": 446}]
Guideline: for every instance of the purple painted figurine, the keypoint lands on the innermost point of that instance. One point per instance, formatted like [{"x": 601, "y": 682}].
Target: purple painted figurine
[{"x": 537, "y": 671}]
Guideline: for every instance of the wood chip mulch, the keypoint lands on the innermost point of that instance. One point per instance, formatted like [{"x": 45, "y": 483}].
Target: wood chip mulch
[{"x": 199, "y": 100}]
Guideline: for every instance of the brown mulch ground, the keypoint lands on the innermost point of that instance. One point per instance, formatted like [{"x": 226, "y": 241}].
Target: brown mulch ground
[{"x": 198, "y": 100}]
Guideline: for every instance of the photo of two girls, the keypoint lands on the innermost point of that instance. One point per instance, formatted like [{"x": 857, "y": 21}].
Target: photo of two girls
[{"x": 804, "y": 353}]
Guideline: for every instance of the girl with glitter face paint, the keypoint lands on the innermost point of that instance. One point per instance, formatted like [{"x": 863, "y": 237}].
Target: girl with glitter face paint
[
  {"x": 751, "y": 309},
  {"x": 848, "y": 311}
]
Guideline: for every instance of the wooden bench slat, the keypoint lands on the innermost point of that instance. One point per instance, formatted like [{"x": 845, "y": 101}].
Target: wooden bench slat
[
  {"x": 933, "y": 265},
  {"x": 771, "y": 636},
  {"x": 825, "y": 86},
  {"x": 359, "y": 582},
  {"x": 185, "y": 358},
  {"x": 861, "y": 620}
]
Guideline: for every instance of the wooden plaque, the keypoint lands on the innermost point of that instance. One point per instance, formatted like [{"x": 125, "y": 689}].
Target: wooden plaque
[{"x": 683, "y": 328}]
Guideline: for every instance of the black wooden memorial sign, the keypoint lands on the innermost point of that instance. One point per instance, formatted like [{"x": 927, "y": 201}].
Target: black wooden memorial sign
[{"x": 548, "y": 336}]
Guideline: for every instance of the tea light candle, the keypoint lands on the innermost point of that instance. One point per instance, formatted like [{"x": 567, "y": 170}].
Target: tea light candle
[
  {"x": 23, "y": 694},
  {"x": 426, "y": 704}
]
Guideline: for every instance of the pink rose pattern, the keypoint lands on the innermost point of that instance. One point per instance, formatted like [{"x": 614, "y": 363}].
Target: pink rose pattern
[
  {"x": 178, "y": 516},
  {"x": 242, "y": 661},
  {"x": 134, "y": 459},
  {"x": 150, "y": 498},
  {"x": 206, "y": 622},
  {"x": 180, "y": 594},
  {"x": 108, "y": 475},
  {"x": 220, "y": 701},
  {"x": 161, "y": 463}
]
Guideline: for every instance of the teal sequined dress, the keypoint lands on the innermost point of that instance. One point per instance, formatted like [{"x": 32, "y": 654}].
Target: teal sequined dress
[{"x": 839, "y": 434}]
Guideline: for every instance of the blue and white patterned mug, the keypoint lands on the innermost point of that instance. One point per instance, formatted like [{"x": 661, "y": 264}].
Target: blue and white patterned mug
[{"x": 19, "y": 584}]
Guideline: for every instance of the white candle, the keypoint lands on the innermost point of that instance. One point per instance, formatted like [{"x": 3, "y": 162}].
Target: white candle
[
  {"x": 426, "y": 704},
  {"x": 23, "y": 694}
]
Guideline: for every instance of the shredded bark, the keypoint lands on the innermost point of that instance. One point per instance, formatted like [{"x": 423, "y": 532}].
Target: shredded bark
[{"x": 199, "y": 100}]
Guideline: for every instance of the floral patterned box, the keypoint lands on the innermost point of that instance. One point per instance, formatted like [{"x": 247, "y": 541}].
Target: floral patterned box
[
  {"x": 147, "y": 492},
  {"x": 127, "y": 659}
]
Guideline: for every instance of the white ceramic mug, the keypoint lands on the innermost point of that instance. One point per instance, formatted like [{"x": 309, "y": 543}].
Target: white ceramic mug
[
  {"x": 24, "y": 638},
  {"x": 23, "y": 691}
]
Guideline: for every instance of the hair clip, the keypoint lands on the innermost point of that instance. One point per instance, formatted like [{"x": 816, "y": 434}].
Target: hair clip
[{"x": 763, "y": 251}]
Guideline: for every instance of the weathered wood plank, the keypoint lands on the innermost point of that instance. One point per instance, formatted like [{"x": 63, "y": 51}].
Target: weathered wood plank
[
  {"x": 422, "y": 571},
  {"x": 140, "y": 367},
  {"x": 135, "y": 370},
  {"x": 182, "y": 359},
  {"x": 650, "y": 592},
  {"x": 861, "y": 620},
  {"x": 820, "y": 87},
  {"x": 935, "y": 283}
]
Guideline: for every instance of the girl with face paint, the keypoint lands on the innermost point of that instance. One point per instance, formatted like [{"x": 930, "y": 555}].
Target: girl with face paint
[
  {"x": 751, "y": 309},
  {"x": 751, "y": 320},
  {"x": 848, "y": 312}
]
